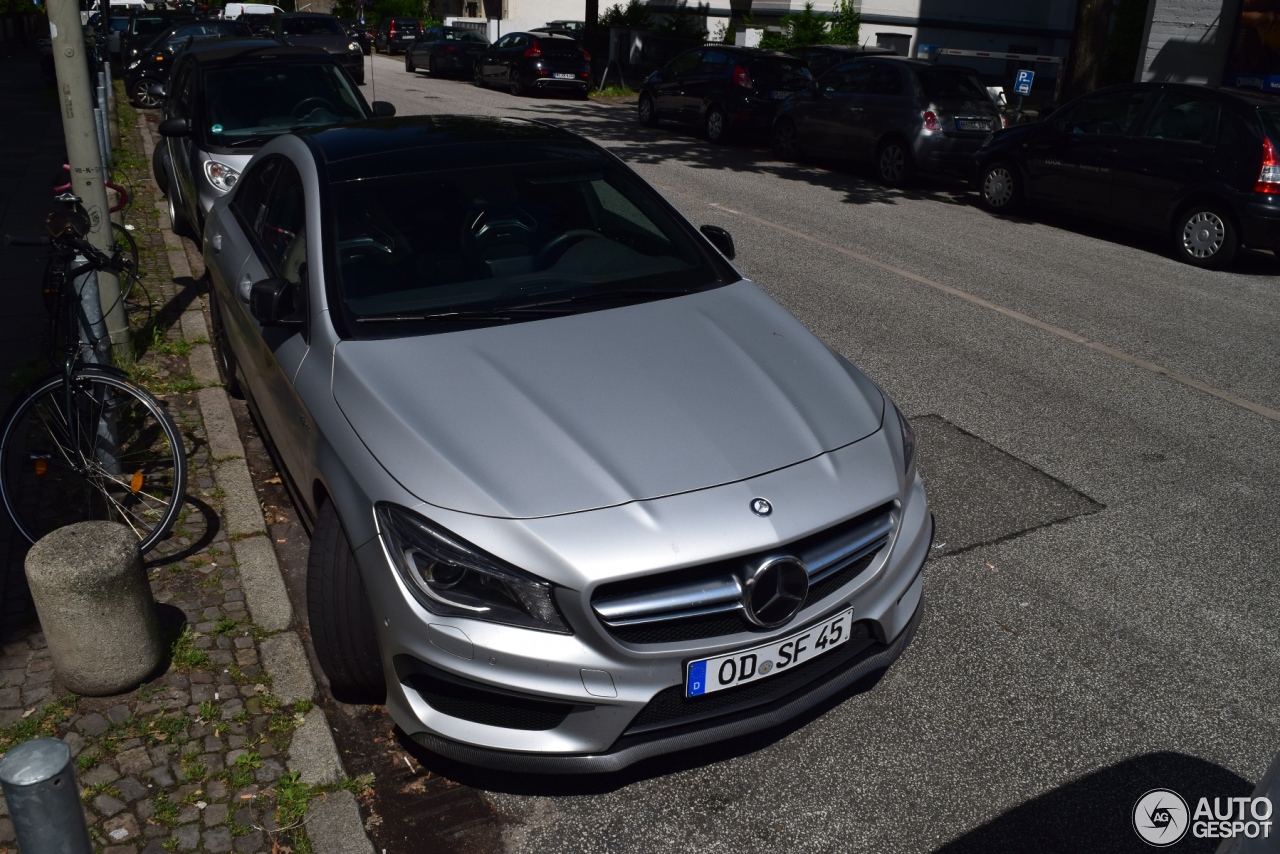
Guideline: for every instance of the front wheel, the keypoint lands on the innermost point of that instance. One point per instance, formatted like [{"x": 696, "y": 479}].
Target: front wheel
[
  {"x": 157, "y": 169},
  {"x": 648, "y": 112},
  {"x": 1205, "y": 236},
  {"x": 140, "y": 94},
  {"x": 342, "y": 625},
  {"x": 408, "y": 62},
  {"x": 478, "y": 76},
  {"x": 894, "y": 164},
  {"x": 786, "y": 140},
  {"x": 100, "y": 449},
  {"x": 1000, "y": 188},
  {"x": 222, "y": 355},
  {"x": 716, "y": 125}
]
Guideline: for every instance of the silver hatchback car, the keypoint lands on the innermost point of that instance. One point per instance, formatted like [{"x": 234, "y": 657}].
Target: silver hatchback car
[{"x": 581, "y": 494}]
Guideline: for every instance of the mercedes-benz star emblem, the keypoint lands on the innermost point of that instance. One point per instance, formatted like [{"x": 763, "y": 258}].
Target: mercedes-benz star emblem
[
  {"x": 761, "y": 507},
  {"x": 775, "y": 591}
]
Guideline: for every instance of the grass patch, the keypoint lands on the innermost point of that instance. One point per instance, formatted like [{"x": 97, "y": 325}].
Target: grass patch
[
  {"x": 41, "y": 723},
  {"x": 166, "y": 811},
  {"x": 614, "y": 92},
  {"x": 186, "y": 655}
]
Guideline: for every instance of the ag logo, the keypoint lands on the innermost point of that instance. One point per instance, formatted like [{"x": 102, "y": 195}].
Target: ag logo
[
  {"x": 1160, "y": 817},
  {"x": 761, "y": 507}
]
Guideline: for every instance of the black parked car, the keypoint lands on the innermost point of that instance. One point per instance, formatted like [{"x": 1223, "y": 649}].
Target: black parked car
[
  {"x": 903, "y": 115},
  {"x": 358, "y": 32},
  {"x": 1198, "y": 163},
  {"x": 143, "y": 28},
  {"x": 396, "y": 34},
  {"x": 311, "y": 29},
  {"x": 525, "y": 62},
  {"x": 820, "y": 58},
  {"x": 445, "y": 49},
  {"x": 722, "y": 89},
  {"x": 153, "y": 64}
]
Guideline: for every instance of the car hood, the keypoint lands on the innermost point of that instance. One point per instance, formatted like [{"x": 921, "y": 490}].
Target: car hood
[
  {"x": 333, "y": 43},
  {"x": 592, "y": 410}
]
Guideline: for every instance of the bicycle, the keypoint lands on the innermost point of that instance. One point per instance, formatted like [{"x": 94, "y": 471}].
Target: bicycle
[
  {"x": 86, "y": 443},
  {"x": 120, "y": 235}
]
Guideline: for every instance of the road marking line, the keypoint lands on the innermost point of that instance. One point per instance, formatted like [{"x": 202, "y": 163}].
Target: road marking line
[{"x": 1067, "y": 334}]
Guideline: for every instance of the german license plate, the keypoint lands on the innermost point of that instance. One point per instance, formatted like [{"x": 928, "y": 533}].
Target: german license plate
[
  {"x": 962, "y": 124},
  {"x": 782, "y": 95},
  {"x": 751, "y": 665},
  {"x": 559, "y": 76}
]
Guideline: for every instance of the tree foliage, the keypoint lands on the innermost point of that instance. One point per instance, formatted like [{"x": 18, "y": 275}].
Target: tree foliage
[
  {"x": 845, "y": 23},
  {"x": 635, "y": 14},
  {"x": 683, "y": 25}
]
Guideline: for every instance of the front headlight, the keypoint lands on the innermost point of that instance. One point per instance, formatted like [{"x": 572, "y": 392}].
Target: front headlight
[
  {"x": 135, "y": 64},
  {"x": 452, "y": 577},
  {"x": 908, "y": 441},
  {"x": 353, "y": 46},
  {"x": 220, "y": 175}
]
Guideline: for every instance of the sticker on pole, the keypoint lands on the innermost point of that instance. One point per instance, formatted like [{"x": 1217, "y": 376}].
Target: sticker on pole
[{"x": 1023, "y": 84}]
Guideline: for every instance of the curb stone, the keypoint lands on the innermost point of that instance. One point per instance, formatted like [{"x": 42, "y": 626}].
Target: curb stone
[{"x": 333, "y": 820}]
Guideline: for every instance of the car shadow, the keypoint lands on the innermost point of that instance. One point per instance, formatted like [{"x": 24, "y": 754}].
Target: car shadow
[
  {"x": 1095, "y": 812},
  {"x": 595, "y": 784}
]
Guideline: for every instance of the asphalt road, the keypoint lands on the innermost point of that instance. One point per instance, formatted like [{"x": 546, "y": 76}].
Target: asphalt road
[{"x": 1100, "y": 436}]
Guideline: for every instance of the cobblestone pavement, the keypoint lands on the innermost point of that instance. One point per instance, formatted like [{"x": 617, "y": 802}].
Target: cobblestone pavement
[{"x": 195, "y": 759}]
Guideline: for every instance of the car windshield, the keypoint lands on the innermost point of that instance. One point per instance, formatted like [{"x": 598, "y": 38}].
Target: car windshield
[
  {"x": 252, "y": 100},
  {"x": 463, "y": 36},
  {"x": 255, "y": 20},
  {"x": 779, "y": 73},
  {"x": 406, "y": 24},
  {"x": 311, "y": 27},
  {"x": 939, "y": 83},
  {"x": 151, "y": 26},
  {"x": 538, "y": 240},
  {"x": 118, "y": 25}
]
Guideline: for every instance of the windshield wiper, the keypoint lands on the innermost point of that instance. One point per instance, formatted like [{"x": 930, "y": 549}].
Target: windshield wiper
[
  {"x": 500, "y": 314},
  {"x": 446, "y": 316},
  {"x": 595, "y": 296}
]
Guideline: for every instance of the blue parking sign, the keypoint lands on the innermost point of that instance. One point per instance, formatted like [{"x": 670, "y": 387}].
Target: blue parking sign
[{"x": 1023, "y": 84}]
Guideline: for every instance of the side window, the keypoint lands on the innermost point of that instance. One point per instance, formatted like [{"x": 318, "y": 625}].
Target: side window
[
  {"x": 885, "y": 81},
  {"x": 180, "y": 104},
  {"x": 714, "y": 63},
  {"x": 1111, "y": 114},
  {"x": 1182, "y": 117},
  {"x": 283, "y": 232},
  {"x": 1230, "y": 133},
  {"x": 518, "y": 42},
  {"x": 848, "y": 80},
  {"x": 250, "y": 197},
  {"x": 685, "y": 63}
]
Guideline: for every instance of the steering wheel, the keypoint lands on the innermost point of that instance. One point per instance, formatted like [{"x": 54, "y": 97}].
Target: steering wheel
[
  {"x": 561, "y": 244},
  {"x": 314, "y": 101}
]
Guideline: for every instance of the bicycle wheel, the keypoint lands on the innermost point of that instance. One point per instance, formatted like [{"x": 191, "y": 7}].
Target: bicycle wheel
[
  {"x": 107, "y": 451},
  {"x": 123, "y": 239}
]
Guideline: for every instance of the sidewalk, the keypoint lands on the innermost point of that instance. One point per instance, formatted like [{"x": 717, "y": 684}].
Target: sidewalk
[{"x": 225, "y": 751}]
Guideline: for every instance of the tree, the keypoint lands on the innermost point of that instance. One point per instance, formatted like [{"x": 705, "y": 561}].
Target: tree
[
  {"x": 805, "y": 28},
  {"x": 683, "y": 25},
  {"x": 845, "y": 23},
  {"x": 635, "y": 14}
]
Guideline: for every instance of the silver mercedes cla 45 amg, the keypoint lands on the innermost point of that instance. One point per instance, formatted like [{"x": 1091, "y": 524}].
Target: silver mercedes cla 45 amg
[{"x": 580, "y": 494}]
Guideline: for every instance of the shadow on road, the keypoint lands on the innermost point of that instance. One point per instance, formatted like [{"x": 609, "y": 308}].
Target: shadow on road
[{"x": 1094, "y": 813}]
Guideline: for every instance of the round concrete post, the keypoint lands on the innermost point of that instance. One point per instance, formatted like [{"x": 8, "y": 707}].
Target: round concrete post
[{"x": 94, "y": 603}]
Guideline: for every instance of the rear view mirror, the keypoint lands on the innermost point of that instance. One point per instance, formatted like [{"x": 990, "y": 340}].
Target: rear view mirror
[
  {"x": 720, "y": 239},
  {"x": 175, "y": 127},
  {"x": 272, "y": 302},
  {"x": 383, "y": 109}
]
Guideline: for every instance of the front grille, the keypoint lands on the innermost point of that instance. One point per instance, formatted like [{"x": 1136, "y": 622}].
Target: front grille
[
  {"x": 487, "y": 707},
  {"x": 706, "y": 601},
  {"x": 671, "y": 707}
]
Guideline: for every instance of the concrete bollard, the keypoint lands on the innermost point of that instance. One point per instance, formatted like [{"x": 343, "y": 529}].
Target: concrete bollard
[
  {"x": 40, "y": 788},
  {"x": 95, "y": 607}
]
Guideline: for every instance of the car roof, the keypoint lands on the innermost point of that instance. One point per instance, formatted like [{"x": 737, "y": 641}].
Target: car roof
[
  {"x": 432, "y": 143},
  {"x": 218, "y": 51},
  {"x": 1248, "y": 97},
  {"x": 293, "y": 15}
]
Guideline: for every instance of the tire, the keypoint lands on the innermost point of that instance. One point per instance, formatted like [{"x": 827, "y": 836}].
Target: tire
[
  {"x": 1000, "y": 187},
  {"x": 84, "y": 478},
  {"x": 1204, "y": 235},
  {"x": 431, "y": 66},
  {"x": 178, "y": 220},
  {"x": 342, "y": 626},
  {"x": 408, "y": 62},
  {"x": 477, "y": 76},
  {"x": 157, "y": 170},
  {"x": 786, "y": 140},
  {"x": 894, "y": 164},
  {"x": 222, "y": 355},
  {"x": 514, "y": 84},
  {"x": 647, "y": 112},
  {"x": 716, "y": 125},
  {"x": 140, "y": 97}
]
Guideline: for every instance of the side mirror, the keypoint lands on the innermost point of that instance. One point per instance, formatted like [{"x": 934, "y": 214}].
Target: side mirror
[
  {"x": 156, "y": 89},
  {"x": 272, "y": 303},
  {"x": 383, "y": 109},
  {"x": 720, "y": 239},
  {"x": 175, "y": 127}
]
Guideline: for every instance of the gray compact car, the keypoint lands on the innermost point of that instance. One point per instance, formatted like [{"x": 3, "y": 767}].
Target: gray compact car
[
  {"x": 904, "y": 116},
  {"x": 580, "y": 493},
  {"x": 226, "y": 99}
]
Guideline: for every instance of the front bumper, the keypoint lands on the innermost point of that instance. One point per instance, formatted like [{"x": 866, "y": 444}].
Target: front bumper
[{"x": 551, "y": 715}]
